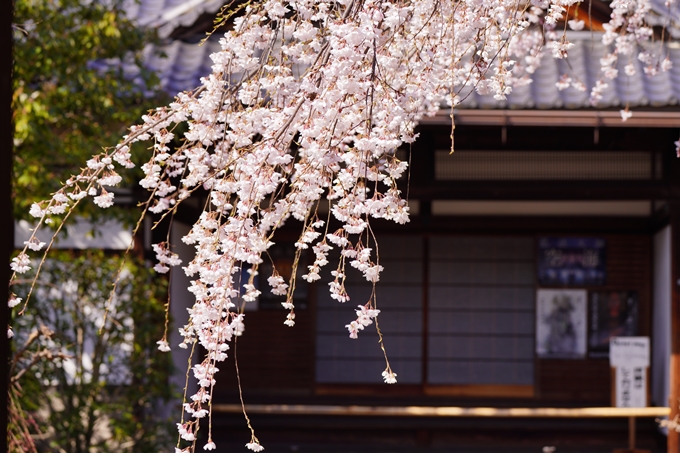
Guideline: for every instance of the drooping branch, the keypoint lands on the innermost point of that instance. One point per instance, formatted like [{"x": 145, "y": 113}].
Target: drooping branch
[{"x": 309, "y": 100}]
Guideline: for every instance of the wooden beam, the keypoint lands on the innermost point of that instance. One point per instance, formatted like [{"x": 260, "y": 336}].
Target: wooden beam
[
  {"x": 561, "y": 118},
  {"x": 494, "y": 225},
  {"x": 485, "y": 390},
  {"x": 445, "y": 411},
  {"x": 541, "y": 190}
]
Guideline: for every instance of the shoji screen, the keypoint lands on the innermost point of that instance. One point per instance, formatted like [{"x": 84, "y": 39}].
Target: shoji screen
[
  {"x": 480, "y": 310},
  {"x": 342, "y": 360}
]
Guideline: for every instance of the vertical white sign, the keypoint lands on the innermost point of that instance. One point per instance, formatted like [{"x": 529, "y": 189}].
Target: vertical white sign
[
  {"x": 631, "y": 386},
  {"x": 630, "y": 357}
]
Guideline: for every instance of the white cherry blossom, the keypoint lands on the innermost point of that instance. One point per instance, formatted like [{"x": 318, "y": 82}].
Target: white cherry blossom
[{"x": 305, "y": 107}]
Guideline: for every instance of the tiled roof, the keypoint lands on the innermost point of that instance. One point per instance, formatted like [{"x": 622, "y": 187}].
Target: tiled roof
[
  {"x": 167, "y": 15},
  {"x": 179, "y": 64},
  {"x": 583, "y": 64},
  {"x": 182, "y": 64},
  {"x": 185, "y": 62},
  {"x": 666, "y": 16}
]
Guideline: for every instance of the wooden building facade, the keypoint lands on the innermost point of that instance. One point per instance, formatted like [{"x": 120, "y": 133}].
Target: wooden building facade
[
  {"x": 465, "y": 285},
  {"x": 460, "y": 293}
]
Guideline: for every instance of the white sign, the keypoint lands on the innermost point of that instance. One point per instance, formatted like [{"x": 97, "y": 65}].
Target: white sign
[
  {"x": 629, "y": 352},
  {"x": 631, "y": 387}
]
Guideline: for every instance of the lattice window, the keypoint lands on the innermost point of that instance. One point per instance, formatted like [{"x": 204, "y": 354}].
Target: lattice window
[
  {"x": 340, "y": 359},
  {"x": 466, "y": 165},
  {"x": 481, "y": 310}
]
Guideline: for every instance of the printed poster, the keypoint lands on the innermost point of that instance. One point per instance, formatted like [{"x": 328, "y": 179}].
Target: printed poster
[
  {"x": 612, "y": 314},
  {"x": 561, "y": 317}
]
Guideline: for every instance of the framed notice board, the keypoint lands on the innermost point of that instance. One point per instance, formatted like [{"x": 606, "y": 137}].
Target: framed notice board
[{"x": 571, "y": 261}]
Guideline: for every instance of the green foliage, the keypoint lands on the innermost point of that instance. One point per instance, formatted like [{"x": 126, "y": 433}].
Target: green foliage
[
  {"x": 80, "y": 384},
  {"x": 91, "y": 377},
  {"x": 65, "y": 109}
]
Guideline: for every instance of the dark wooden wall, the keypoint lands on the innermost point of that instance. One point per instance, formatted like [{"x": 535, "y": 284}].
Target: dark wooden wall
[
  {"x": 629, "y": 264},
  {"x": 272, "y": 358},
  {"x": 276, "y": 362}
]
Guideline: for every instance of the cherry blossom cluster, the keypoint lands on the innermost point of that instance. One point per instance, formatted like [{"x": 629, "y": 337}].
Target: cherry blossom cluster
[
  {"x": 307, "y": 103},
  {"x": 165, "y": 258},
  {"x": 365, "y": 318}
]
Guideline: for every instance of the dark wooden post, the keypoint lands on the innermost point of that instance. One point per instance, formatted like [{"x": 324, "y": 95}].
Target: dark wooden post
[
  {"x": 7, "y": 225},
  {"x": 631, "y": 434},
  {"x": 674, "y": 398}
]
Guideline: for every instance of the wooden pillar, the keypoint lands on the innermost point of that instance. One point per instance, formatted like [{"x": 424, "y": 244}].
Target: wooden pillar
[
  {"x": 631, "y": 433},
  {"x": 674, "y": 398},
  {"x": 7, "y": 221},
  {"x": 425, "y": 306}
]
